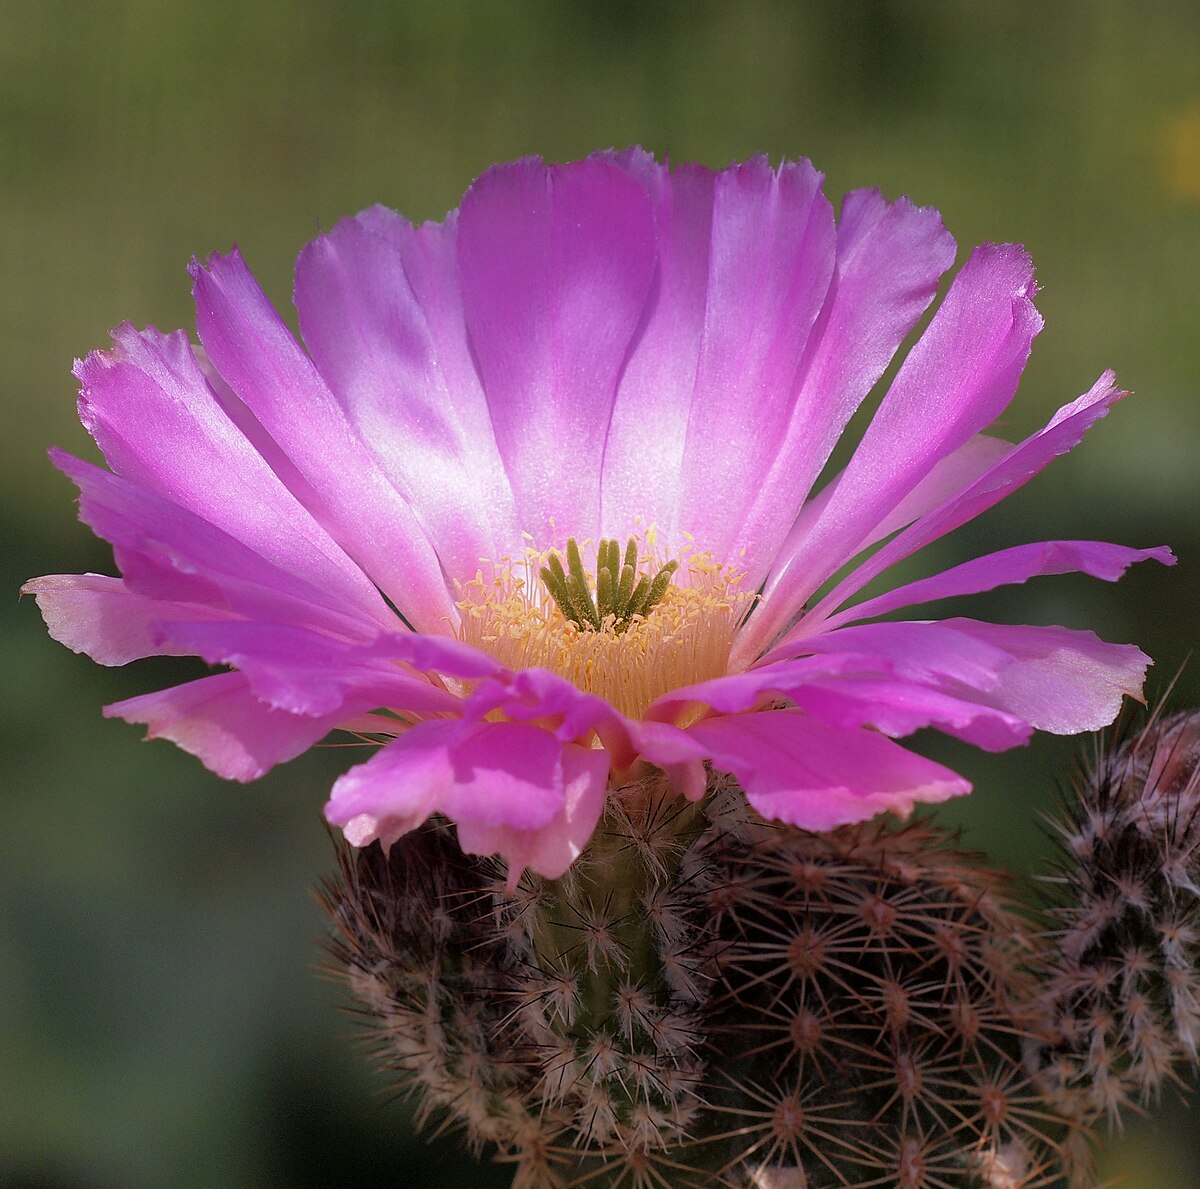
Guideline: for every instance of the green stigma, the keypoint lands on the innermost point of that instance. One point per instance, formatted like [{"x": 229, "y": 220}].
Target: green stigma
[{"x": 620, "y": 594}]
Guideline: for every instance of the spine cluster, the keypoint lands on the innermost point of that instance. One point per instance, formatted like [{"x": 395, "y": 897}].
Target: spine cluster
[
  {"x": 707, "y": 999},
  {"x": 1119, "y": 1004},
  {"x": 870, "y": 1006}
]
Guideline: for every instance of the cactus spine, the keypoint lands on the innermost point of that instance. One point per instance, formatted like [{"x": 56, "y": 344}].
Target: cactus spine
[{"x": 707, "y": 999}]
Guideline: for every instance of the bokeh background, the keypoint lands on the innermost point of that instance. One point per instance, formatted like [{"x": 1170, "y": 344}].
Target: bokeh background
[{"x": 162, "y": 1018}]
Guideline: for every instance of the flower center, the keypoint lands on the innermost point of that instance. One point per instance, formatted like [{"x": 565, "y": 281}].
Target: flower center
[
  {"x": 621, "y": 595},
  {"x": 635, "y": 628}
]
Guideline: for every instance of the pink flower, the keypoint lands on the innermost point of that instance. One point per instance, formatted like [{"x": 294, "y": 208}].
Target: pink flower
[{"x": 592, "y": 351}]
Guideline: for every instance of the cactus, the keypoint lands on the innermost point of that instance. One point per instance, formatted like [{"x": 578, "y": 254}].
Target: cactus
[
  {"x": 709, "y": 999},
  {"x": 1119, "y": 1003}
]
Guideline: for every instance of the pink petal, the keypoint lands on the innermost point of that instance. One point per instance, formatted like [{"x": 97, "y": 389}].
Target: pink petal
[
  {"x": 1053, "y": 678},
  {"x": 1008, "y": 566},
  {"x": 899, "y": 708},
  {"x": 499, "y": 774},
  {"x": 655, "y": 393},
  {"x": 505, "y": 774},
  {"x": 664, "y": 744},
  {"x": 307, "y": 672},
  {"x": 1058, "y": 679},
  {"x": 922, "y": 653},
  {"x": 252, "y": 429},
  {"x": 738, "y": 692},
  {"x": 556, "y": 264},
  {"x": 674, "y": 751},
  {"x": 550, "y": 850},
  {"x": 734, "y": 358},
  {"x": 218, "y": 720},
  {"x": 537, "y": 695},
  {"x": 955, "y": 381},
  {"x": 770, "y": 262},
  {"x": 160, "y": 426},
  {"x": 366, "y": 326},
  {"x": 437, "y": 654},
  {"x": 805, "y": 773},
  {"x": 948, "y": 477},
  {"x": 398, "y": 788},
  {"x": 101, "y": 617},
  {"x": 895, "y": 689},
  {"x": 171, "y": 554},
  {"x": 255, "y": 353},
  {"x": 889, "y": 259},
  {"x": 1064, "y": 431},
  {"x": 512, "y": 789}
]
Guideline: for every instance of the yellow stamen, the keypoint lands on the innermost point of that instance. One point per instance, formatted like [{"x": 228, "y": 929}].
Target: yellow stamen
[{"x": 683, "y": 638}]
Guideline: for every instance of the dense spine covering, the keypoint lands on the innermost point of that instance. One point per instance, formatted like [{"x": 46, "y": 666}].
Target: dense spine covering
[
  {"x": 1120, "y": 992},
  {"x": 873, "y": 992},
  {"x": 709, "y": 999}
]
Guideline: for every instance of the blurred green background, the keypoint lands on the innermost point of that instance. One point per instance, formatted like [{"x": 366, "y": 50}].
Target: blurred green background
[{"x": 162, "y": 1020}]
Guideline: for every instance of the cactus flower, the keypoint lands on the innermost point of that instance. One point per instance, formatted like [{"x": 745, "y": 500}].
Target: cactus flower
[{"x": 543, "y": 503}]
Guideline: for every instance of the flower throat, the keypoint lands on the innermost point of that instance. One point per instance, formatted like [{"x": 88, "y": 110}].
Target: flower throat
[{"x": 636, "y": 628}]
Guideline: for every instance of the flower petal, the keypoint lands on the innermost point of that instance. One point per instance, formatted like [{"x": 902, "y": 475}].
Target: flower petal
[
  {"x": 307, "y": 672},
  {"x": 552, "y": 848},
  {"x": 221, "y": 722},
  {"x": 404, "y": 376},
  {"x": 1059, "y": 680},
  {"x": 956, "y": 380},
  {"x": 103, "y": 618},
  {"x": 1006, "y": 567},
  {"x": 171, "y": 554},
  {"x": 924, "y": 653},
  {"x": 738, "y": 692},
  {"x": 160, "y": 426},
  {"x": 805, "y": 773},
  {"x": 745, "y": 262},
  {"x": 505, "y": 774},
  {"x": 1064, "y": 431},
  {"x": 556, "y": 264},
  {"x": 537, "y": 695},
  {"x": 889, "y": 259},
  {"x": 256, "y": 355},
  {"x": 948, "y": 478},
  {"x": 896, "y": 690},
  {"x": 899, "y": 708},
  {"x": 506, "y": 785},
  {"x": 398, "y": 788},
  {"x": 654, "y": 397},
  {"x": 500, "y": 774},
  {"x": 769, "y": 266}
]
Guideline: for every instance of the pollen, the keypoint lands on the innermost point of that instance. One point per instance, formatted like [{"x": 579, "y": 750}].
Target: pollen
[{"x": 638, "y": 627}]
